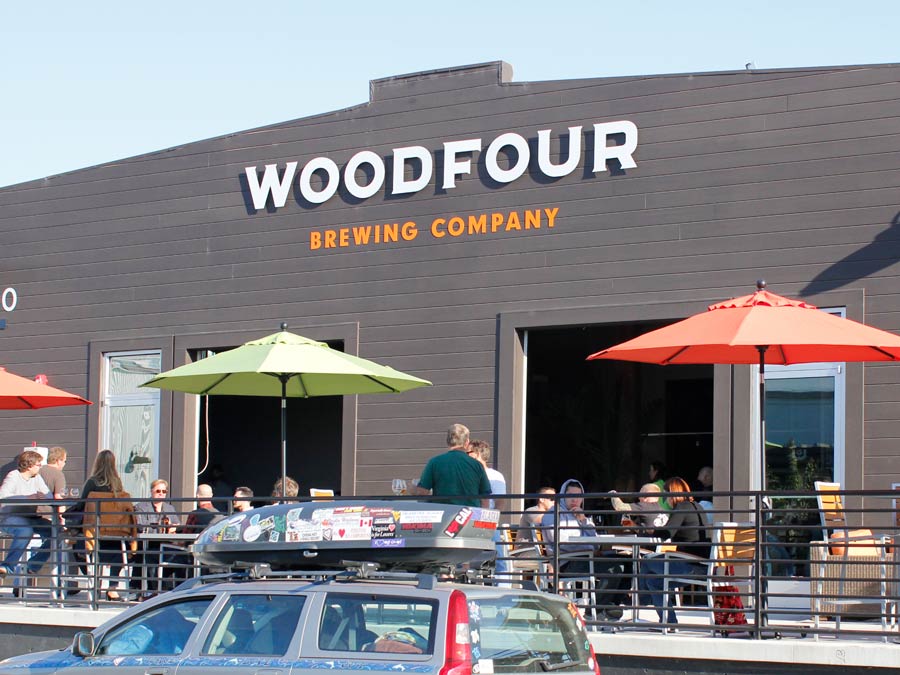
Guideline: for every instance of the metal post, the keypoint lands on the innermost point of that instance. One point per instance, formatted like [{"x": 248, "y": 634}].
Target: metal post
[
  {"x": 284, "y": 379},
  {"x": 558, "y": 499},
  {"x": 762, "y": 416}
]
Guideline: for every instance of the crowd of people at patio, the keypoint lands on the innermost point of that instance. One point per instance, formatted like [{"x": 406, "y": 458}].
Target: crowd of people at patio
[{"x": 104, "y": 525}]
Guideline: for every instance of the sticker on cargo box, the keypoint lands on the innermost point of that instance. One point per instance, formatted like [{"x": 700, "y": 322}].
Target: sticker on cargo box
[
  {"x": 484, "y": 524},
  {"x": 303, "y": 530},
  {"x": 252, "y": 533},
  {"x": 398, "y": 542},
  {"x": 384, "y": 531},
  {"x": 231, "y": 533},
  {"x": 350, "y": 527},
  {"x": 487, "y": 515},
  {"x": 421, "y": 516}
]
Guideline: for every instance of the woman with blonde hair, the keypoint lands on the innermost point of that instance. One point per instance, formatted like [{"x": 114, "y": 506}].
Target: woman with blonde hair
[
  {"x": 109, "y": 524},
  {"x": 686, "y": 528}
]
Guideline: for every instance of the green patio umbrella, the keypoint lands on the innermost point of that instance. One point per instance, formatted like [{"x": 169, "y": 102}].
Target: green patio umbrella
[{"x": 286, "y": 365}]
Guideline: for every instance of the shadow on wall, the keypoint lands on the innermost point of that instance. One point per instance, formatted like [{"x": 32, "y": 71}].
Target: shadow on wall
[{"x": 882, "y": 252}]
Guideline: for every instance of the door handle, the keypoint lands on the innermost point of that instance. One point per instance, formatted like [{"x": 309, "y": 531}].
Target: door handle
[{"x": 157, "y": 671}]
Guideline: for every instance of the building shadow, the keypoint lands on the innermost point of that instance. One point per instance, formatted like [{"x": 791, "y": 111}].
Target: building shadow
[{"x": 883, "y": 251}]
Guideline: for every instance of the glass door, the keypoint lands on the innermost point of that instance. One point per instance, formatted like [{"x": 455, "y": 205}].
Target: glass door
[
  {"x": 804, "y": 443},
  {"x": 130, "y": 417},
  {"x": 804, "y": 425}
]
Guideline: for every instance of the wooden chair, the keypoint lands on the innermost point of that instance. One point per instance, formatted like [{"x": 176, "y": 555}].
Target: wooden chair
[
  {"x": 849, "y": 566},
  {"x": 733, "y": 546},
  {"x": 831, "y": 507}
]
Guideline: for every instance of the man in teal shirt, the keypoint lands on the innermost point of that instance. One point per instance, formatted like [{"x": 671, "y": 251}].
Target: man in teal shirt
[{"x": 455, "y": 475}]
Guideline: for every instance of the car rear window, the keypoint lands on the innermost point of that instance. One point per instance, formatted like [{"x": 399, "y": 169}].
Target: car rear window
[
  {"x": 392, "y": 624},
  {"x": 526, "y": 634}
]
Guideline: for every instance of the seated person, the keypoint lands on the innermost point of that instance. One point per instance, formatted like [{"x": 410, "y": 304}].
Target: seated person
[
  {"x": 647, "y": 513},
  {"x": 612, "y": 572},
  {"x": 242, "y": 497},
  {"x": 687, "y": 530},
  {"x": 530, "y": 522},
  {"x": 157, "y": 517}
]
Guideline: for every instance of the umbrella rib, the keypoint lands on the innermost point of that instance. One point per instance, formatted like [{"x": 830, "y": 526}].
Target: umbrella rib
[
  {"x": 383, "y": 384},
  {"x": 303, "y": 387},
  {"x": 26, "y": 402},
  {"x": 888, "y": 354},
  {"x": 215, "y": 384},
  {"x": 674, "y": 356}
]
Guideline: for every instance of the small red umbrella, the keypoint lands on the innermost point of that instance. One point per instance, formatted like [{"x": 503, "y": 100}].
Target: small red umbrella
[
  {"x": 759, "y": 328},
  {"x": 20, "y": 393}
]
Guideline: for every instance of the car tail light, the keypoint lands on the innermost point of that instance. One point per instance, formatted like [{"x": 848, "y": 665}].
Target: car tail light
[
  {"x": 594, "y": 661},
  {"x": 458, "y": 653}
]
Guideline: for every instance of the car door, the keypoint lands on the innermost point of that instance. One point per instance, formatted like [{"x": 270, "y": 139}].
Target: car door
[
  {"x": 252, "y": 633},
  {"x": 152, "y": 642}
]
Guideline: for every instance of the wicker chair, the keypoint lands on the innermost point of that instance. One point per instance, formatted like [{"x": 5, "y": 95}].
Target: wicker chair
[{"x": 850, "y": 569}]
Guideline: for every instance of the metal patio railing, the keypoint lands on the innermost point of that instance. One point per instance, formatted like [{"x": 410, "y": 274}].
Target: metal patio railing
[{"x": 786, "y": 576}]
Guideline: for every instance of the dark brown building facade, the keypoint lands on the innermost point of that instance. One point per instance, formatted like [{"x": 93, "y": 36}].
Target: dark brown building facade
[{"x": 487, "y": 235}]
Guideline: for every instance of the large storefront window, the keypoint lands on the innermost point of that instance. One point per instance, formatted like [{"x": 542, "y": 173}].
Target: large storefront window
[{"x": 130, "y": 417}]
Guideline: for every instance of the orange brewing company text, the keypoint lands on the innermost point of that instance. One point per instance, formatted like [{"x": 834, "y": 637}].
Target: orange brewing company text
[{"x": 443, "y": 228}]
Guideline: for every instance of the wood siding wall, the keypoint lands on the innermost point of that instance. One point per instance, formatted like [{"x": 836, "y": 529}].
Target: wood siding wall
[{"x": 788, "y": 175}]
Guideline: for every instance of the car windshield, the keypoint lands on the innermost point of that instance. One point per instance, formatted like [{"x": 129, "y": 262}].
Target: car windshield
[{"x": 526, "y": 634}]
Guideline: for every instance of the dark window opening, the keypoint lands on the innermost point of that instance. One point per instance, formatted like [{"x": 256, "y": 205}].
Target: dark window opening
[
  {"x": 245, "y": 442},
  {"x": 603, "y": 422}
]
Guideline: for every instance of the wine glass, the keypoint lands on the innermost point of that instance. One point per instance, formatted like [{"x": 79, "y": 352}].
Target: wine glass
[
  {"x": 398, "y": 485},
  {"x": 75, "y": 492}
]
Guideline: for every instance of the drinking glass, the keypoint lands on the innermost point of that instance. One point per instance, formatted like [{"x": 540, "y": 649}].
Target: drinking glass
[{"x": 398, "y": 485}]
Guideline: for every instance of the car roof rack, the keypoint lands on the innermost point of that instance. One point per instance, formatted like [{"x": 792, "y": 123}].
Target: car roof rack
[{"x": 353, "y": 571}]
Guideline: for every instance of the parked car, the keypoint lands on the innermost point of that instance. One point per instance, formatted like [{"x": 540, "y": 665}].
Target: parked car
[{"x": 278, "y": 625}]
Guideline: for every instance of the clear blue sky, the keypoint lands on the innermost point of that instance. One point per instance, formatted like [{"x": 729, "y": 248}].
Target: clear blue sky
[{"x": 90, "y": 82}]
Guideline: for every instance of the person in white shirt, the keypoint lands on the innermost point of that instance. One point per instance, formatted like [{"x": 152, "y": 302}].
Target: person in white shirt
[
  {"x": 20, "y": 520},
  {"x": 481, "y": 451}
]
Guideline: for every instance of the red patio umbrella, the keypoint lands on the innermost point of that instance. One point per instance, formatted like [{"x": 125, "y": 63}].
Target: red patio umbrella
[
  {"x": 20, "y": 393},
  {"x": 759, "y": 328}
]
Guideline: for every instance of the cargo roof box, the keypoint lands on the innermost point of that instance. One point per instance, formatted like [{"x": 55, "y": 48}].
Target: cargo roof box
[{"x": 396, "y": 534}]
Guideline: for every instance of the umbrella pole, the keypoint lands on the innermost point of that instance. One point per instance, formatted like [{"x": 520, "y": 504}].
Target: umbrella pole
[
  {"x": 762, "y": 416},
  {"x": 284, "y": 379}
]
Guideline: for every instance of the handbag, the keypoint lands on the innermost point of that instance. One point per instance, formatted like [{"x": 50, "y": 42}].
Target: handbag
[{"x": 728, "y": 609}]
